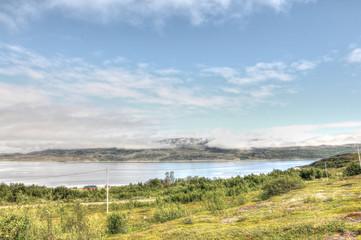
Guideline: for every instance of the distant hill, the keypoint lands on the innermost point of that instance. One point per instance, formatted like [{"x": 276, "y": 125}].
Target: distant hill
[
  {"x": 180, "y": 150},
  {"x": 338, "y": 161}
]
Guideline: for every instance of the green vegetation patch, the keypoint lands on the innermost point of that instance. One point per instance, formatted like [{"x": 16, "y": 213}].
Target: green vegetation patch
[
  {"x": 301, "y": 204},
  {"x": 281, "y": 185},
  {"x": 338, "y": 161},
  {"x": 352, "y": 169}
]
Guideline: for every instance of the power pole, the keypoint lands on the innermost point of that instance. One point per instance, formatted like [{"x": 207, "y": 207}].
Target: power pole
[
  {"x": 107, "y": 186},
  {"x": 359, "y": 159},
  {"x": 326, "y": 170}
]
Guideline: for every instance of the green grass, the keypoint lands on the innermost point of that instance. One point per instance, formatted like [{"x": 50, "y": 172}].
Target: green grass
[{"x": 317, "y": 209}]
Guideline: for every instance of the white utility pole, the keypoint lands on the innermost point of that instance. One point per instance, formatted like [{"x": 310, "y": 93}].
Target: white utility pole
[
  {"x": 107, "y": 186},
  {"x": 359, "y": 159}
]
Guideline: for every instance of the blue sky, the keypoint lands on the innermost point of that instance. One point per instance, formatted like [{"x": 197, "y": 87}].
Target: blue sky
[{"x": 248, "y": 73}]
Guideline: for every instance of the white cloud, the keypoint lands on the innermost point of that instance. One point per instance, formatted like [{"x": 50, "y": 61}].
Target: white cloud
[
  {"x": 168, "y": 71},
  {"x": 261, "y": 81},
  {"x": 264, "y": 91},
  {"x": 50, "y": 103},
  {"x": 75, "y": 78},
  {"x": 225, "y": 72},
  {"x": 355, "y": 56},
  {"x": 262, "y": 72},
  {"x": 303, "y": 65},
  {"x": 265, "y": 71},
  {"x": 11, "y": 95},
  {"x": 19, "y": 12},
  {"x": 72, "y": 79},
  {"x": 295, "y": 135},
  {"x": 30, "y": 128},
  {"x": 27, "y": 128}
]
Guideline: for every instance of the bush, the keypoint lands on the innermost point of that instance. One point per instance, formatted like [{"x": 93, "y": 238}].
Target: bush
[
  {"x": 312, "y": 199},
  {"x": 75, "y": 224},
  {"x": 117, "y": 223},
  {"x": 242, "y": 199},
  {"x": 352, "y": 169},
  {"x": 337, "y": 161},
  {"x": 281, "y": 185},
  {"x": 74, "y": 219},
  {"x": 312, "y": 173},
  {"x": 189, "y": 219},
  {"x": 169, "y": 212},
  {"x": 16, "y": 225},
  {"x": 216, "y": 200}
]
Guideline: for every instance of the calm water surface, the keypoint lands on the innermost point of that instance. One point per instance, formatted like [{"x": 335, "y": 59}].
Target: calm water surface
[{"x": 78, "y": 174}]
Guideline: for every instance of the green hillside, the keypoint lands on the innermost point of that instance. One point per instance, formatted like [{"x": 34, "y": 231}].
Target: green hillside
[
  {"x": 180, "y": 153},
  {"x": 306, "y": 203}
]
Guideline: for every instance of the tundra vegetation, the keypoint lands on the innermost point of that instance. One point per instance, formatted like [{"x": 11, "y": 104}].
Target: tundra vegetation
[
  {"x": 305, "y": 203},
  {"x": 182, "y": 149}
]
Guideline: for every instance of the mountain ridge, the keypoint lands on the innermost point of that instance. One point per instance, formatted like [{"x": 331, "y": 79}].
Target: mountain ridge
[{"x": 181, "y": 150}]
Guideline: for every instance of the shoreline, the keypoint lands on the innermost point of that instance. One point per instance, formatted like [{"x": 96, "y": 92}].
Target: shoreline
[
  {"x": 78, "y": 174},
  {"x": 162, "y": 161}
]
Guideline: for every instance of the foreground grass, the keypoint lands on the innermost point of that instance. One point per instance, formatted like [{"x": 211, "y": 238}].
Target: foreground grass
[
  {"x": 279, "y": 205},
  {"x": 322, "y": 210}
]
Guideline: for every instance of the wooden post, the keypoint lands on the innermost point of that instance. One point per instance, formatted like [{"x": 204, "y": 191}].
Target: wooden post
[
  {"x": 359, "y": 159},
  {"x": 107, "y": 186}
]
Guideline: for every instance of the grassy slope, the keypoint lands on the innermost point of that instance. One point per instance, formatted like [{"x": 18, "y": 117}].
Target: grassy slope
[
  {"x": 321, "y": 210},
  {"x": 324, "y": 209},
  {"x": 318, "y": 211}
]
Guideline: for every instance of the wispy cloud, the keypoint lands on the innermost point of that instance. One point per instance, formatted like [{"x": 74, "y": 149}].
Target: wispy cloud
[
  {"x": 225, "y": 72},
  {"x": 305, "y": 65},
  {"x": 52, "y": 102},
  {"x": 27, "y": 128},
  {"x": 354, "y": 56},
  {"x": 260, "y": 82},
  {"x": 262, "y": 72},
  {"x": 11, "y": 95},
  {"x": 294, "y": 135},
  {"x": 197, "y": 12},
  {"x": 74, "y": 77},
  {"x": 68, "y": 79}
]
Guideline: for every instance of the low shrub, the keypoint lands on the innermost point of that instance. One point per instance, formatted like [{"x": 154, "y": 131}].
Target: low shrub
[
  {"x": 312, "y": 199},
  {"x": 16, "y": 225},
  {"x": 117, "y": 223},
  {"x": 312, "y": 173},
  {"x": 242, "y": 199},
  {"x": 216, "y": 200},
  {"x": 169, "y": 212},
  {"x": 189, "y": 219},
  {"x": 75, "y": 224},
  {"x": 280, "y": 186},
  {"x": 73, "y": 219},
  {"x": 352, "y": 169}
]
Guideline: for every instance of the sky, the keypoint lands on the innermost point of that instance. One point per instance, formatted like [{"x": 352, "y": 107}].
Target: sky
[{"x": 127, "y": 74}]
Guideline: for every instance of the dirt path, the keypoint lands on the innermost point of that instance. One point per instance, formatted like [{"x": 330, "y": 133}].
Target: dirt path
[
  {"x": 84, "y": 204},
  {"x": 117, "y": 202}
]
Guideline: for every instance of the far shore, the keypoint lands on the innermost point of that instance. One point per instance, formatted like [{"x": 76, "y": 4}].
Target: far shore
[{"x": 153, "y": 161}]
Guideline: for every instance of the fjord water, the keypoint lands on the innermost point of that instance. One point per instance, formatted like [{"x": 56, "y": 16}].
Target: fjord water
[{"x": 77, "y": 174}]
